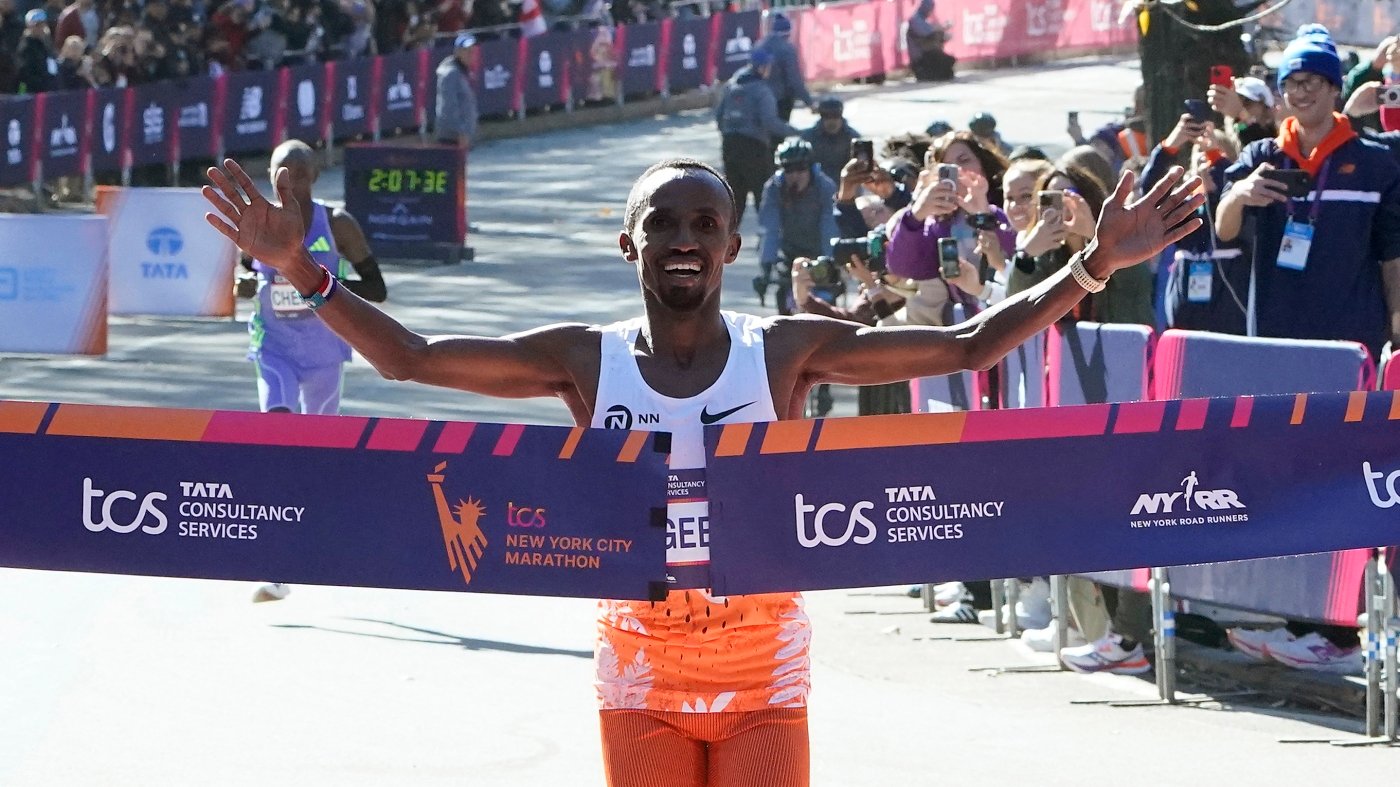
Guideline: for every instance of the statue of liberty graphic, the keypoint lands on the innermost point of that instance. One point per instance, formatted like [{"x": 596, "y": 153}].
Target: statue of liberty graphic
[{"x": 461, "y": 530}]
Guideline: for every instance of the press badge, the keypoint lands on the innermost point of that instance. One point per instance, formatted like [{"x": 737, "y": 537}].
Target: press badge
[
  {"x": 1199, "y": 280},
  {"x": 1297, "y": 242}
]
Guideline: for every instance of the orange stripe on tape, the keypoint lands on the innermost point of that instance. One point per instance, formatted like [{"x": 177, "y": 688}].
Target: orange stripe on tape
[
  {"x": 21, "y": 417},
  {"x": 633, "y": 447},
  {"x": 137, "y": 423},
  {"x": 1395, "y": 407},
  {"x": 787, "y": 437},
  {"x": 734, "y": 440},
  {"x": 571, "y": 443},
  {"x": 1356, "y": 407},
  {"x": 890, "y": 431},
  {"x": 1300, "y": 405}
]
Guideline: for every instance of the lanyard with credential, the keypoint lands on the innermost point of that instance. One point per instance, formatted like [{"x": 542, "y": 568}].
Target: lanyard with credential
[{"x": 1320, "y": 186}]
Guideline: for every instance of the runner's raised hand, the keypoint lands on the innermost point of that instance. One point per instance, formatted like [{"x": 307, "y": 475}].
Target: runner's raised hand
[
  {"x": 1131, "y": 231},
  {"x": 273, "y": 234}
]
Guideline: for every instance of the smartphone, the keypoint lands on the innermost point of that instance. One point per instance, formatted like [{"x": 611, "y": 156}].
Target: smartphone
[
  {"x": 1297, "y": 182},
  {"x": 1074, "y": 117},
  {"x": 949, "y": 172},
  {"x": 982, "y": 221},
  {"x": 1197, "y": 109},
  {"x": 1224, "y": 76},
  {"x": 948, "y": 265},
  {"x": 1052, "y": 200},
  {"x": 863, "y": 150}
]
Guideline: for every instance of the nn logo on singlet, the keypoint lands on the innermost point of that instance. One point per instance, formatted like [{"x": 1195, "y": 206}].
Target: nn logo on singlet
[{"x": 620, "y": 417}]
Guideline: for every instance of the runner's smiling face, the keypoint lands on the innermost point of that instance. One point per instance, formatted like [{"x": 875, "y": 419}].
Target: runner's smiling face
[{"x": 682, "y": 238}]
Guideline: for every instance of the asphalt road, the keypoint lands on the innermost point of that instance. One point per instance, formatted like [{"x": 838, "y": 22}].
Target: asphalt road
[{"x": 135, "y": 681}]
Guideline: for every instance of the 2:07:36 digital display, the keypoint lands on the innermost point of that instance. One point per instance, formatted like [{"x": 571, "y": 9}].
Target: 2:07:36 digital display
[{"x": 396, "y": 180}]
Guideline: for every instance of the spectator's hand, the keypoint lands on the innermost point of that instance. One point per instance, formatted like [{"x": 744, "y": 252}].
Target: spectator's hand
[
  {"x": 1187, "y": 130},
  {"x": 1385, "y": 50},
  {"x": 968, "y": 279},
  {"x": 989, "y": 246},
  {"x": 1080, "y": 218},
  {"x": 1075, "y": 131},
  {"x": 1045, "y": 235},
  {"x": 854, "y": 174},
  {"x": 1133, "y": 230},
  {"x": 267, "y": 232},
  {"x": 860, "y": 271},
  {"x": 933, "y": 197},
  {"x": 1365, "y": 100},
  {"x": 1258, "y": 191},
  {"x": 973, "y": 196},
  {"x": 1225, "y": 101},
  {"x": 801, "y": 280}
]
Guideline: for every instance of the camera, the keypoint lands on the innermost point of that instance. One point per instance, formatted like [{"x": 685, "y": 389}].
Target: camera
[
  {"x": 870, "y": 250},
  {"x": 1390, "y": 96},
  {"x": 825, "y": 273}
]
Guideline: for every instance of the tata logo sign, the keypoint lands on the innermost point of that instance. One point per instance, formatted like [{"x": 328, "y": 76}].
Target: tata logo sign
[
  {"x": 123, "y": 519},
  {"x": 1381, "y": 486},
  {"x": 165, "y": 241},
  {"x": 846, "y": 524}
]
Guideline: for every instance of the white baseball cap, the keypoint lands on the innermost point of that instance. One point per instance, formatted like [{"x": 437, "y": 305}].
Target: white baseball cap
[{"x": 1254, "y": 89}]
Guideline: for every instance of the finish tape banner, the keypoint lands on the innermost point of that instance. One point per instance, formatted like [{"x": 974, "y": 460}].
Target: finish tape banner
[
  {"x": 886, "y": 500},
  {"x": 364, "y": 502}
]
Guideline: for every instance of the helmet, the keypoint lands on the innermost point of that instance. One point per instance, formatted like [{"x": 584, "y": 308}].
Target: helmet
[
  {"x": 830, "y": 105},
  {"x": 983, "y": 124},
  {"x": 794, "y": 152}
]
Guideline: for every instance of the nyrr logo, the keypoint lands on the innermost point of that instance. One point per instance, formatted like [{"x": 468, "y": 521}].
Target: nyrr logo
[
  {"x": 1201, "y": 499},
  {"x": 461, "y": 528},
  {"x": 147, "y": 507},
  {"x": 819, "y": 536},
  {"x": 1391, "y": 497}
]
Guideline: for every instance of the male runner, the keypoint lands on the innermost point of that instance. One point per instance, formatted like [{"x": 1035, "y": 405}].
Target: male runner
[
  {"x": 298, "y": 359},
  {"x": 697, "y": 689}
]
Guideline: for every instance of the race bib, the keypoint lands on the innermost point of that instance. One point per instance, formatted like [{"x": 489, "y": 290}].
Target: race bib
[
  {"x": 687, "y": 529},
  {"x": 1297, "y": 242},
  {"x": 1199, "y": 280},
  {"x": 287, "y": 303}
]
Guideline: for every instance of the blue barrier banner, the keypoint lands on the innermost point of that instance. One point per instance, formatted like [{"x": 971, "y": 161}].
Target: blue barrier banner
[
  {"x": 197, "y": 112},
  {"x": 306, "y": 102},
  {"x": 685, "y": 62},
  {"x": 641, "y": 59},
  {"x": 496, "y": 77},
  {"x": 252, "y": 103},
  {"x": 152, "y": 135},
  {"x": 109, "y": 128},
  {"x": 16, "y": 137},
  {"x": 546, "y": 69},
  {"x": 400, "y": 90},
  {"x": 738, "y": 33},
  {"x": 896, "y": 499},
  {"x": 333, "y": 500},
  {"x": 63, "y": 132},
  {"x": 351, "y": 91}
]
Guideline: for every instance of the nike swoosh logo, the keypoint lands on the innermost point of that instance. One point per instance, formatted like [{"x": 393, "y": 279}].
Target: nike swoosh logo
[{"x": 707, "y": 418}]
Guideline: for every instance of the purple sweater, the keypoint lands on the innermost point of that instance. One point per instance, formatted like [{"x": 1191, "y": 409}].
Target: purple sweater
[{"x": 913, "y": 246}]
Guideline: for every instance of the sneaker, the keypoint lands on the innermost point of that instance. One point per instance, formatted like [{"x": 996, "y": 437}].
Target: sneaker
[
  {"x": 1033, "y": 605},
  {"x": 961, "y": 612},
  {"x": 1254, "y": 642},
  {"x": 1316, "y": 652},
  {"x": 949, "y": 593},
  {"x": 1042, "y": 640},
  {"x": 275, "y": 591},
  {"x": 1106, "y": 655},
  {"x": 915, "y": 591}
]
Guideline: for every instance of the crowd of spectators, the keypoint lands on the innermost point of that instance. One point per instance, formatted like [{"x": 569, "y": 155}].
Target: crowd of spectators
[{"x": 54, "y": 45}]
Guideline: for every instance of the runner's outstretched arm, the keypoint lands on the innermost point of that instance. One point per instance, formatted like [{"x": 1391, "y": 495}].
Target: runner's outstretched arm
[
  {"x": 1129, "y": 231},
  {"x": 521, "y": 365}
]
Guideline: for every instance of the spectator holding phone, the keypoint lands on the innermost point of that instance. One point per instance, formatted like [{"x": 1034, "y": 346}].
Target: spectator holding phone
[
  {"x": 1318, "y": 212},
  {"x": 1248, "y": 107},
  {"x": 1380, "y": 67}
]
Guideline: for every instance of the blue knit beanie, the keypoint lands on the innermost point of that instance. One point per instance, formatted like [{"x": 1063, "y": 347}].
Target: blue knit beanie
[{"x": 1312, "y": 52}]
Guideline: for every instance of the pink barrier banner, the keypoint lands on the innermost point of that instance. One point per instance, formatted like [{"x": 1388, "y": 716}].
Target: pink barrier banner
[
  {"x": 1350, "y": 22},
  {"x": 849, "y": 41}
]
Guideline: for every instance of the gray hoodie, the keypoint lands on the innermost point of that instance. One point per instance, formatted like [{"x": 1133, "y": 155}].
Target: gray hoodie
[
  {"x": 747, "y": 107},
  {"x": 456, "y": 103}
]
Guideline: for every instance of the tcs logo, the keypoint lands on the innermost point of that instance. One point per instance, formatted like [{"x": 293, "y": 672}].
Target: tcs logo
[
  {"x": 147, "y": 507},
  {"x": 519, "y": 516},
  {"x": 818, "y": 535}
]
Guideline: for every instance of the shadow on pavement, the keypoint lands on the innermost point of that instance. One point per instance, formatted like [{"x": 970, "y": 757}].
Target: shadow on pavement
[{"x": 443, "y": 638}]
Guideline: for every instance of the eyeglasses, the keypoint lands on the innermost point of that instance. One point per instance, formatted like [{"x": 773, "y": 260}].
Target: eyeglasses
[
  {"x": 1308, "y": 84},
  {"x": 794, "y": 168}
]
